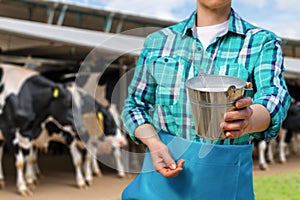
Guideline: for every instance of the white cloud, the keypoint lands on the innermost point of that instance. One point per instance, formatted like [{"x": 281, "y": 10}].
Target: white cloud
[
  {"x": 289, "y": 5},
  {"x": 284, "y": 28},
  {"x": 155, "y": 8},
  {"x": 253, "y": 3}
]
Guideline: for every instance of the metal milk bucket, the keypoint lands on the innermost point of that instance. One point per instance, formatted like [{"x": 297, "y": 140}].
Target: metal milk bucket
[{"x": 210, "y": 97}]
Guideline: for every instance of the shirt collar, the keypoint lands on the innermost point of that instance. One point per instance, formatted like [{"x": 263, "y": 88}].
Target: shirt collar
[
  {"x": 189, "y": 24},
  {"x": 236, "y": 24}
]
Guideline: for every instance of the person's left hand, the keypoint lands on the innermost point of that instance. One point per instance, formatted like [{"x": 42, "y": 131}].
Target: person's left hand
[{"x": 237, "y": 122}]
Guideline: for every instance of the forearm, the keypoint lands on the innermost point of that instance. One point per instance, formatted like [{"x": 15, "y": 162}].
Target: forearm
[{"x": 147, "y": 134}]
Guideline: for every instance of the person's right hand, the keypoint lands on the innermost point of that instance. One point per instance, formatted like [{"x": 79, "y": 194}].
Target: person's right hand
[
  {"x": 162, "y": 160},
  {"x": 161, "y": 157}
]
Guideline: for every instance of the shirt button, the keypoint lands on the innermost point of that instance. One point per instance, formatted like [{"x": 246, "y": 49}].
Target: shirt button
[
  {"x": 166, "y": 59},
  {"x": 199, "y": 48}
]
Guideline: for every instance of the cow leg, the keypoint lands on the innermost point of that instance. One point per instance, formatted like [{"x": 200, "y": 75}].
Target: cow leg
[
  {"x": 270, "y": 151},
  {"x": 295, "y": 143},
  {"x": 20, "y": 165},
  {"x": 77, "y": 162},
  {"x": 22, "y": 146},
  {"x": 2, "y": 183},
  {"x": 30, "y": 172},
  {"x": 282, "y": 146},
  {"x": 88, "y": 169},
  {"x": 21, "y": 184},
  {"x": 115, "y": 144},
  {"x": 288, "y": 140},
  {"x": 262, "y": 146},
  {"x": 118, "y": 157},
  {"x": 88, "y": 166},
  {"x": 95, "y": 167},
  {"x": 36, "y": 167}
]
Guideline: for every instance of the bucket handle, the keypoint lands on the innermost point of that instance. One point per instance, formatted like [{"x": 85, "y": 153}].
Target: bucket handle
[
  {"x": 232, "y": 88},
  {"x": 249, "y": 86}
]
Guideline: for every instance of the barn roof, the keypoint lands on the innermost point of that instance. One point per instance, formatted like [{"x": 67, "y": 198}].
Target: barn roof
[{"x": 59, "y": 39}]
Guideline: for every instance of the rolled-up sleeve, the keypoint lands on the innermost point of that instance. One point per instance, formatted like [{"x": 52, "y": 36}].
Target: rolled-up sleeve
[
  {"x": 271, "y": 88},
  {"x": 141, "y": 96}
]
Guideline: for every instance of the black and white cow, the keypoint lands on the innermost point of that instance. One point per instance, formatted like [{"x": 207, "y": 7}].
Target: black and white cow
[
  {"x": 52, "y": 130},
  {"x": 290, "y": 129},
  {"x": 116, "y": 140},
  {"x": 104, "y": 136},
  {"x": 78, "y": 143},
  {"x": 104, "y": 128},
  {"x": 26, "y": 101}
]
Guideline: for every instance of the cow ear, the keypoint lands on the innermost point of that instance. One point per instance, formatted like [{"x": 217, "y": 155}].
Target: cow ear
[
  {"x": 55, "y": 92},
  {"x": 100, "y": 115}
]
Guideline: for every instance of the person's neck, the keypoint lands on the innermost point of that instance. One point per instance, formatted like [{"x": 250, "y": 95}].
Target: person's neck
[{"x": 209, "y": 17}]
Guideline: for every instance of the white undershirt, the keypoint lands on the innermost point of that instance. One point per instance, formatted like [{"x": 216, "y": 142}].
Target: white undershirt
[{"x": 207, "y": 34}]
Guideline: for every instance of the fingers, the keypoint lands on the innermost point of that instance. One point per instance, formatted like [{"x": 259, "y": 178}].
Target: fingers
[
  {"x": 236, "y": 123},
  {"x": 234, "y": 126},
  {"x": 243, "y": 102},
  {"x": 163, "y": 161},
  {"x": 233, "y": 134},
  {"x": 168, "y": 172},
  {"x": 180, "y": 163},
  {"x": 169, "y": 160},
  {"x": 238, "y": 114},
  {"x": 235, "y": 129}
]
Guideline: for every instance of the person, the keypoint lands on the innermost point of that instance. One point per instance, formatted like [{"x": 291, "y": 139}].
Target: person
[{"x": 178, "y": 165}]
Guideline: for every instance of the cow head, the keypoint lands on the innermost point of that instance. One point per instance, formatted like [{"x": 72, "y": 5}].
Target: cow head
[
  {"x": 119, "y": 138},
  {"x": 61, "y": 106}
]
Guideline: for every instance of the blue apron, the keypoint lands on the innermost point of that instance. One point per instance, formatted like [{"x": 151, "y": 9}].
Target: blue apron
[{"x": 210, "y": 172}]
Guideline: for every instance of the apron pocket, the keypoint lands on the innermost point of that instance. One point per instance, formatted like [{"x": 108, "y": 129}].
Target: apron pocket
[
  {"x": 174, "y": 188},
  {"x": 211, "y": 181},
  {"x": 196, "y": 181}
]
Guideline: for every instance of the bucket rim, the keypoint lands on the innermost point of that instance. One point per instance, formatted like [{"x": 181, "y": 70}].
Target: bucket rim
[{"x": 242, "y": 83}]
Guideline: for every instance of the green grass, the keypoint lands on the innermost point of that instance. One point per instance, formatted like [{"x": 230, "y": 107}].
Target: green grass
[{"x": 278, "y": 187}]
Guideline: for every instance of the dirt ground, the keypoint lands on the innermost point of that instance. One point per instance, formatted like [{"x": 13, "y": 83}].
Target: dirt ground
[{"x": 58, "y": 181}]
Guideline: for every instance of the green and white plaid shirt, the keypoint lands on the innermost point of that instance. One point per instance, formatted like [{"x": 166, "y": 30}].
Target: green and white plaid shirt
[{"x": 157, "y": 93}]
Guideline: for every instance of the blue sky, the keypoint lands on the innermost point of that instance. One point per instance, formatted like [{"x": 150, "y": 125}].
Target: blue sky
[{"x": 279, "y": 16}]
